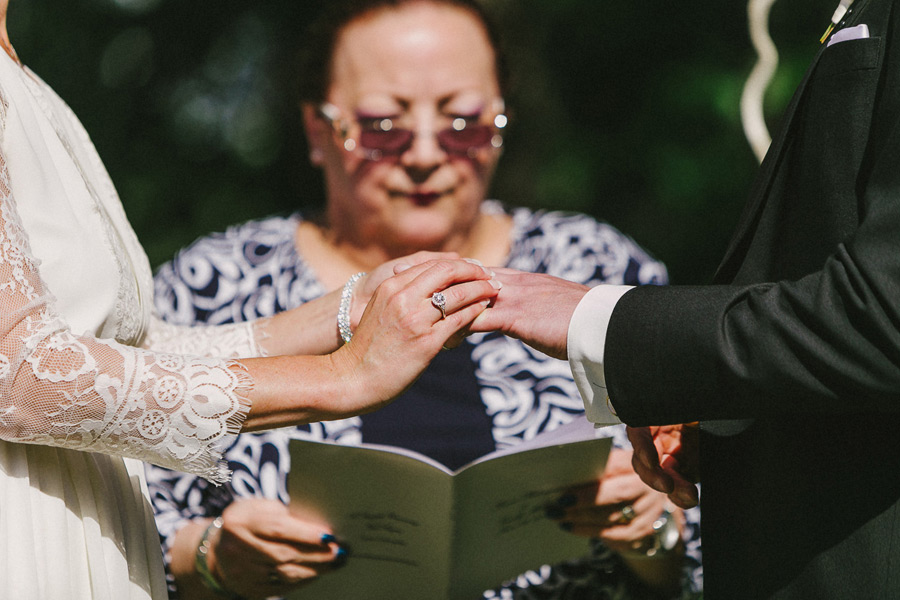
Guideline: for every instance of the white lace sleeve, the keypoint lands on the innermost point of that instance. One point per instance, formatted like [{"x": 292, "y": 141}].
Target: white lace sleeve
[
  {"x": 83, "y": 393},
  {"x": 237, "y": 340}
]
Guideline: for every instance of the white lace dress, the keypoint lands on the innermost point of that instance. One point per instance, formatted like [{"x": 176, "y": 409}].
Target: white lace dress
[{"x": 90, "y": 384}]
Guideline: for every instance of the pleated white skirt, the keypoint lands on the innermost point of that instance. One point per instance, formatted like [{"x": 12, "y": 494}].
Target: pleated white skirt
[{"x": 76, "y": 525}]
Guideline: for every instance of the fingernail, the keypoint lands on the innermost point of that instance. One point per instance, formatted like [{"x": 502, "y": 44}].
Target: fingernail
[
  {"x": 496, "y": 284},
  {"x": 554, "y": 512},
  {"x": 474, "y": 261},
  {"x": 400, "y": 268},
  {"x": 340, "y": 558},
  {"x": 566, "y": 500},
  {"x": 328, "y": 538}
]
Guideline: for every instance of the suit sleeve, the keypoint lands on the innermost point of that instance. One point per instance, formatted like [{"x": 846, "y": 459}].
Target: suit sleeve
[{"x": 829, "y": 342}]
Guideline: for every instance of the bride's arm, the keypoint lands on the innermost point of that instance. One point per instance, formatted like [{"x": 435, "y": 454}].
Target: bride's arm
[{"x": 61, "y": 389}]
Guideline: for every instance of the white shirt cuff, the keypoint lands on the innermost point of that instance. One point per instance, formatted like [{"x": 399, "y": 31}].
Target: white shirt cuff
[{"x": 586, "y": 344}]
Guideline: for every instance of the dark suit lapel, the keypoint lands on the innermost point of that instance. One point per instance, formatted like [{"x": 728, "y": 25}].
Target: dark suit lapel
[
  {"x": 761, "y": 185},
  {"x": 747, "y": 224}
]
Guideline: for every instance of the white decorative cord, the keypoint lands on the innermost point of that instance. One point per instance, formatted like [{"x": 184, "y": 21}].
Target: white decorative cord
[{"x": 753, "y": 96}]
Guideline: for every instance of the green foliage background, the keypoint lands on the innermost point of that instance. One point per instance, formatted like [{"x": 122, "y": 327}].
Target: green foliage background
[{"x": 628, "y": 111}]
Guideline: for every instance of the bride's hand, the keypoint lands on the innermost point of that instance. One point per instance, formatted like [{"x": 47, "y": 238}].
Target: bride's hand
[
  {"x": 402, "y": 330},
  {"x": 367, "y": 285},
  {"x": 310, "y": 328}
]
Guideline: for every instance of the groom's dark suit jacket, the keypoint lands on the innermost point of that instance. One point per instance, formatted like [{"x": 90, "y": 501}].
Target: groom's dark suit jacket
[{"x": 792, "y": 362}]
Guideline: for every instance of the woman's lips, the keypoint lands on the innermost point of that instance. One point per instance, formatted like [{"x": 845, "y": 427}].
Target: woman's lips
[{"x": 424, "y": 198}]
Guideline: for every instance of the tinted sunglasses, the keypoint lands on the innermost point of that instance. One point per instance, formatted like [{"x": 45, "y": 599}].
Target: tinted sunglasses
[{"x": 380, "y": 137}]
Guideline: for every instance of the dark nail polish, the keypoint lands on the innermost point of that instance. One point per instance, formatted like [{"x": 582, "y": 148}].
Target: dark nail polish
[
  {"x": 340, "y": 558},
  {"x": 566, "y": 500},
  {"x": 328, "y": 538},
  {"x": 554, "y": 512}
]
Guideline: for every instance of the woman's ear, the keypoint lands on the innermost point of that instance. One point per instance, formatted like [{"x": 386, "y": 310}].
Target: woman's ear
[{"x": 316, "y": 131}]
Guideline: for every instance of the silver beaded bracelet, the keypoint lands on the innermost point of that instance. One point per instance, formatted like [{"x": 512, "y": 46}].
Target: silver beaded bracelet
[{"x": 343, "y": 317}]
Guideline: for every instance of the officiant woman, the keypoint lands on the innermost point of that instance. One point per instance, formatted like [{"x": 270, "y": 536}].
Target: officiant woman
[{"x": 403, "y": 107}]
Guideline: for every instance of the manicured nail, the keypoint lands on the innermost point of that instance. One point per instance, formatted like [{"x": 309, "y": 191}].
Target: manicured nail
[
  {"x": 400, "y": 268},
  {"x": 328, "y": 538},
  {"x": 340, "y": 558},
  {"x": 474, "y": 261},
  {"x": 554, "y": 512},
  {"x": 496, "y": 284}
]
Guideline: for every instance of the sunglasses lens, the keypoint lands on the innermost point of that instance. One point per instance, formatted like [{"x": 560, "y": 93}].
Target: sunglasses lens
[
  {"x": 396, "y": 141},
  {"x": 393, "y": 141},
  {"x": 463, "y": 140},
  {"x": 381, "y": 139}
]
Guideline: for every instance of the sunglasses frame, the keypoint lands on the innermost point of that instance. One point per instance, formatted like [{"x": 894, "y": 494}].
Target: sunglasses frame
[{"x": 342, "y": 127}]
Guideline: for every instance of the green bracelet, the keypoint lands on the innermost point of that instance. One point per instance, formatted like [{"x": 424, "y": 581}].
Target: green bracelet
[{"x": 201, "y": 564}]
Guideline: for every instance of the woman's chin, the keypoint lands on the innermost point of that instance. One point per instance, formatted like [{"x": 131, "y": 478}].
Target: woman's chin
[{"x": 415, "y": 240}]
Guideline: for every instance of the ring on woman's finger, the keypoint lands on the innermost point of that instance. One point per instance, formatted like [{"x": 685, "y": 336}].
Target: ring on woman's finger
[
  {"x": 440, "y": 303},
  {"x": 627, "y": 516}
]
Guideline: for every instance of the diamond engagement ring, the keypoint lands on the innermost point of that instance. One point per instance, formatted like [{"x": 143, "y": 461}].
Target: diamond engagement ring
[{"x": 440, "y": 303}]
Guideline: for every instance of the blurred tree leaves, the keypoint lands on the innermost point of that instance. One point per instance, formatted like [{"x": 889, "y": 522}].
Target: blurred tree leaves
[{"x": 626, "y": 111}]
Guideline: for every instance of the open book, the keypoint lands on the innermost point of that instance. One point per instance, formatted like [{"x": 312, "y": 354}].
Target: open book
[{"x": 417, "y": 530}]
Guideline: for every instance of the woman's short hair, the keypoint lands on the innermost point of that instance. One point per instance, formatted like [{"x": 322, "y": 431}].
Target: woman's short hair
[{"x": 320, "y": 40}]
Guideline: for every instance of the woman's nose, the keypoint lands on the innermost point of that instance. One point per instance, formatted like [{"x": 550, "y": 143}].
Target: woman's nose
[{"x": 425, "y": 153}]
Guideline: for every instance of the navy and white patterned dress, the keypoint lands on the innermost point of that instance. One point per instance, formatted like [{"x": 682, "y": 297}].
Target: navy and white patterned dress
[{"x": 509, "y": 391}]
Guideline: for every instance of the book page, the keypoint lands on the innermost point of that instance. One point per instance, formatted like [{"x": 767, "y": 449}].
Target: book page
[
  {"x": 392, "y": 511},
  {"x": 501, "y": 530}
]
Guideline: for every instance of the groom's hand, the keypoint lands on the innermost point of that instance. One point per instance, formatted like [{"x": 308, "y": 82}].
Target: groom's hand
[
  {"x": 533, "y": 307},
  {"x": 666, "y": 458}
]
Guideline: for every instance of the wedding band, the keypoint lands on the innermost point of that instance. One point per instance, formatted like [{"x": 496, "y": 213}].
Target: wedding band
[
  {"x": 627, "y": 516},
  {"x": 440, "y": 303}
]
